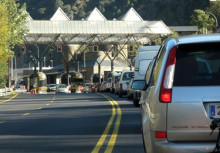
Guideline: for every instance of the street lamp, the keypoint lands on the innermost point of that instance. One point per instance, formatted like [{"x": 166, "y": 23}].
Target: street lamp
[
  {"x": 216, "y": 21},
  {"x": 14, "y": 68}
]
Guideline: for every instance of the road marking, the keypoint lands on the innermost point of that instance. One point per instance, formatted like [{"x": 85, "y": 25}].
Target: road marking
[
  {"x": 48, "y": 103},
  {"x": 26, "y": 114},
  {"x": 106, "y": 131},
  {"x": 1, "y": 122},
  {"x": 114, "y": 134},
  {"x": 5, "y": 101}
]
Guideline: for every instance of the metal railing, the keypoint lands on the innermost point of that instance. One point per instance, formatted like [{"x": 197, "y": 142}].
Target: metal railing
[{"x": 5, "y": 91}]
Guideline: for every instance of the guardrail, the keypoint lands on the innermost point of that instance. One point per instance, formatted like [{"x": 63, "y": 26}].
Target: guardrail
[{"x": 5, "y": 92}]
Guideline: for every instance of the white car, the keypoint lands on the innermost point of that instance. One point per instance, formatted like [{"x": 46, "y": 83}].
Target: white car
[
  {"x": 51, "y": 87},
  {"x": 62, "y": 88},
  {"x": 108, "y": 84},
  {"x": 124, "y": 81},
  {"x": 115, "y": 79}
]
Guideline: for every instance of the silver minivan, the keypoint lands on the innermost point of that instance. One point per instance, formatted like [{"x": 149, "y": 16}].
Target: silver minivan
[{"x": 182, "y": 96}]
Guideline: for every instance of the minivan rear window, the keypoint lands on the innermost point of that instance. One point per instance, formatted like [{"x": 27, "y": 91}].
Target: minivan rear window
[
  {"x": 127, "y": 75},
  {"x": 197, "y": 65}
]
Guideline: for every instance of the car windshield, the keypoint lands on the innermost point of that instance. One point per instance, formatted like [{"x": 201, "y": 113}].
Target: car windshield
[
  {"x": 197, "y": 65},
  {"x": 62, "y": 86},
  {"x": 127, "y": 75}
]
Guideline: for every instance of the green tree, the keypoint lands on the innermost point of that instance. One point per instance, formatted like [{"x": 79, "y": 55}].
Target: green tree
[
  {"x": 203, "y": 21},
  {"x": 4, "y": 34},
  {"x": 12, "y": 30},
  {"x": 3, "y": 73},
  {"x": 42, "y": 10},
  {"x": 214, "y": 8},
  {"x": 58, "y": 3},
  {"x": 17, "y": 16},
  {"x": 4, "y": 48}
]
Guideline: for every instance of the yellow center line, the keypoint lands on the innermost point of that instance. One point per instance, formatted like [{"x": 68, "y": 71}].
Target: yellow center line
[
  {"x": 114, "y": 135},
  {"x": 26, "y": 114},
  {"x": 106, "y": 131},
  {"x": 48, "y": 104},
  {"x": 1, "y": 122},
  {"x": 40, "y": 108},
  {"x": 5, "y": 101}
]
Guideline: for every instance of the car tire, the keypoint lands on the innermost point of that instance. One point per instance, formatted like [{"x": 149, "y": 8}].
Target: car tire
[
  {"x": 120, "y": 94},
  {"x": 136, "y": 102},
  {"x": 128, "y": 96},
  {"x": 111, "y": 91}
]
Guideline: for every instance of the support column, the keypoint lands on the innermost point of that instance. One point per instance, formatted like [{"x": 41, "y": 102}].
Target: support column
[
  {"x": 40, "y": 65},
  {"x": 67, "y": 72},
  {"x": 130, "y": 67},
  {"x": 112, "y": 65},
  {"x": 99, "y": 72}
]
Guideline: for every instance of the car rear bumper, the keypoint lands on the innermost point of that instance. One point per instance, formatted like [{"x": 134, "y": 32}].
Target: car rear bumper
[{"x": 163, "y": 146}]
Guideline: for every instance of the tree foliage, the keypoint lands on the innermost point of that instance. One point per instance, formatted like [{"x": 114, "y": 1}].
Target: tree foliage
[
  {"x": 172, "y": 12},
  {"x": 4, "y": 34},
  {"x": 203, "y": 21},
  {"x": 16, "y": 20},
  {"x": 214, "y": 8},
  {"x": 12, "y": 30}
]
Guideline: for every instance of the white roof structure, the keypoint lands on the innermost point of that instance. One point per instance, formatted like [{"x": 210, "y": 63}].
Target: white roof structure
[
  {"x": 96, "y": 15},
  {"x": 29, "y": 18},
  {"x": 132, "y": 15},
  {"x": 59, "y": 16},
  {"x": 132, "y": 28}
]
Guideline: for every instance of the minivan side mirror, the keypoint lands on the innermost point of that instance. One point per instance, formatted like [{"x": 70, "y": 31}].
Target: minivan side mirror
[{"x": 139, "y": 85}]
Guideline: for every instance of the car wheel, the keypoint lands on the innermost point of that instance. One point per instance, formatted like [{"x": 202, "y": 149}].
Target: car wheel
[
  {"x": 128, "y": 96},
  {"x": 136, "y": 103},
  {"x": 111, "y": 91},
  {"x": 120, "y": 94},
  {"x": 143, "y": 139}
]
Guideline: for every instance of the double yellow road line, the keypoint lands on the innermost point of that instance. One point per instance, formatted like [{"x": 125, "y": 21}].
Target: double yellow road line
[
  {"x": 116, "y": 110},
  {"x": 5, "y": 101}
]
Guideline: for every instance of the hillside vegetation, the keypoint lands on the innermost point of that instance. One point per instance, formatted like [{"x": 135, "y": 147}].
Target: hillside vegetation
[{"x": 172, "y": 12}]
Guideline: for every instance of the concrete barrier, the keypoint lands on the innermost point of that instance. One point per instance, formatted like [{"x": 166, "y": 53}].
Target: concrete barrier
[{"x": 5, "y": 92}]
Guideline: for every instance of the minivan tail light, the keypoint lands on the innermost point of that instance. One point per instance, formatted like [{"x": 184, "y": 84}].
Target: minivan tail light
[
  {"x": 160, "y": 134},
  {"x": 167, "y": 82}
]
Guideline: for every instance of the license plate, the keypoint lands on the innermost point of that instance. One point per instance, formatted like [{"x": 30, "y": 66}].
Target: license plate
[{"x": 214, "y": 110}]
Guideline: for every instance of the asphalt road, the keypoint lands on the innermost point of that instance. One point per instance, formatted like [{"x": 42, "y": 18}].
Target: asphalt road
[{"x": 69, "y": 123}]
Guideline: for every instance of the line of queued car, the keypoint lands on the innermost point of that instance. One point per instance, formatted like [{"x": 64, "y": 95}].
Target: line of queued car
[
  {"x": 179, "y": 96},
  {"x": 58, "y": 88},
  {"x": 178, "y": 91}
]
